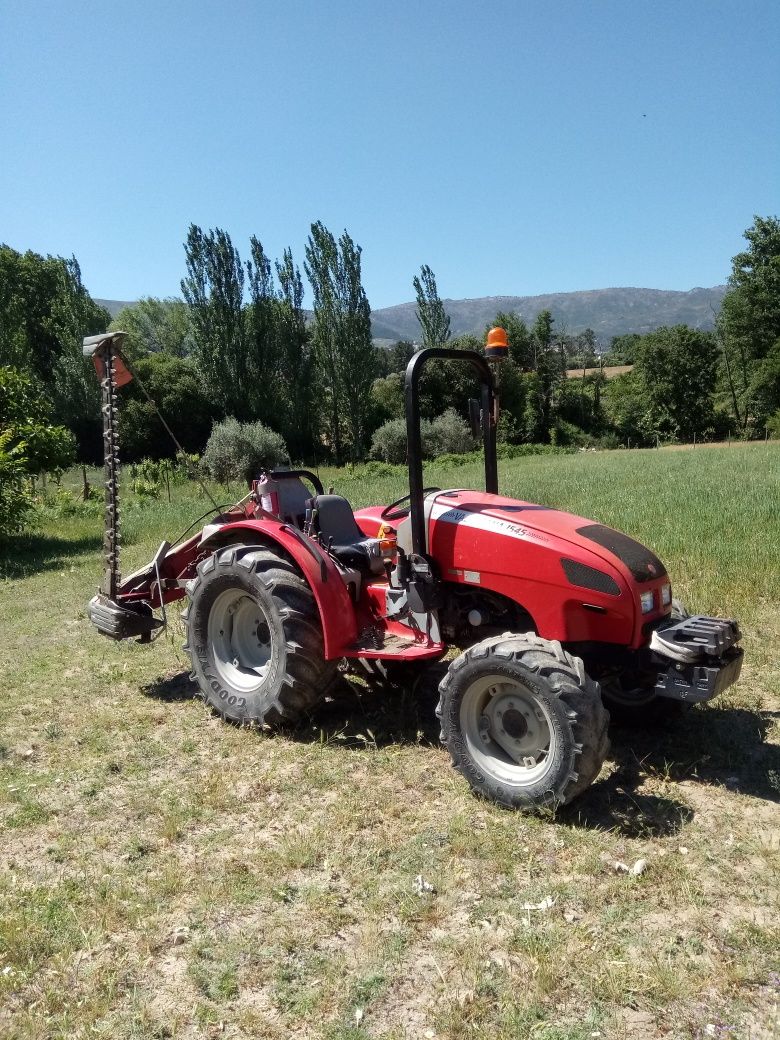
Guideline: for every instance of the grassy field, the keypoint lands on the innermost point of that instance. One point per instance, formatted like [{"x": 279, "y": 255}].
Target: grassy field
[{"x": 165, "y": 875}]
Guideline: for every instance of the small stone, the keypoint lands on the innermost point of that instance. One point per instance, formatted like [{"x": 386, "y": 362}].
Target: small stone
[
  {"x": 545, "y": 904},
  {"x": 423, "y": 887},
  {"x": 682, "y": 850}
]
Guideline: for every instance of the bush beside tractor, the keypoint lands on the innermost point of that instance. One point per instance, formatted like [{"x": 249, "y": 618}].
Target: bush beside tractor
[{"x": 554, "y": 616}]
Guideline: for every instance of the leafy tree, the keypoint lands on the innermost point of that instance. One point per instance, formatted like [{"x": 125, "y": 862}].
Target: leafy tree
[
  {"x": 534, "y": 427},
  {"x": 15, "y": 497},
  {"x": 214, "y": 292},
  {"x": 294, "y": 360},
  {"x": 623, "y": 349},
  {"x": 677, "y": 367},
  {"x": 521, "y": 352},
  {"x": 320, "y": 266},
  {"x": 29, "y": 444},
  {"x": 342, "y": 336},
  {"x": 394, "y": 358},
  {"x": 387, "y": 395},
  {"x": 749, "y": 324},
  {"x": 45, "y": 311},
  {"x": 176, "y": 386},
  {"x": 625, "y": 406},
  {"x": 156, "y": 326},
  {"x": 549, "y": 373},
  {"x": 581, "y": 350},
  {"x": 433, "y": 319},
  {"x": 262, "y": 339}
]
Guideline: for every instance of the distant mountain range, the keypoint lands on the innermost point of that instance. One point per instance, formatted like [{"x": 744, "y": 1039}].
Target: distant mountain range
[{"x": 609, "y": 312}]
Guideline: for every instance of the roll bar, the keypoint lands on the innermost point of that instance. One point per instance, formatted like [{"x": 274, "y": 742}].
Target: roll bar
[{"x": 414, "y": 440}]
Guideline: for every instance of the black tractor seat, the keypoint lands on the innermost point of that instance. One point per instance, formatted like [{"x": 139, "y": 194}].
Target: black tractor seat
[{"x": 332, "y": 518}]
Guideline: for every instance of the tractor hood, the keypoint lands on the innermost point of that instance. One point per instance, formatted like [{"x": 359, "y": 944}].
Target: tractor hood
[{"x": 544, "y": 525}]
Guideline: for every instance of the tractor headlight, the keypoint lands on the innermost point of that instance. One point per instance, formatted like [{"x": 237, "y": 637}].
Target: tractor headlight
[
  {"x": 666, "y": 595},
  {"x": 646, "y": 599}
]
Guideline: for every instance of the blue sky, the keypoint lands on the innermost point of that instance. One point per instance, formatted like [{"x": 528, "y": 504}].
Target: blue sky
[{"x": 516, "y": 147}]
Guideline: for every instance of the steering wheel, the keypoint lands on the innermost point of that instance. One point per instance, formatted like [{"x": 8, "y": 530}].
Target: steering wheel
[{"x": 392, "y": 512}]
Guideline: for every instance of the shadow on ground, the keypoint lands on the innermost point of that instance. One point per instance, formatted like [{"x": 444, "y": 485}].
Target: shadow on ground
[
  {"x": 722, "y": 746},
  {"x": 32, "y": 553}
]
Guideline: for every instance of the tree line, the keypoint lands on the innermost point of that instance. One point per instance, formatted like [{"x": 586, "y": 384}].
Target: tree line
[{"x": 240, "y": 345}]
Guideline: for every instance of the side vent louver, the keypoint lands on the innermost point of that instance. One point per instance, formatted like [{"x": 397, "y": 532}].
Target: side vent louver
[{"x": 585, "y": 577}]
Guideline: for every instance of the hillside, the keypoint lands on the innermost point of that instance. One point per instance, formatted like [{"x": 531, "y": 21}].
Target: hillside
[
  {"x": 114, "y": 306},
  {"x": 609, "y": 312}
]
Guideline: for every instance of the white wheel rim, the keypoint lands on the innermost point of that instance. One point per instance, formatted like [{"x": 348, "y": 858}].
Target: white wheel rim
[
  {"x": 241, "y": 640},
  {"x": 508, "y": 729}
]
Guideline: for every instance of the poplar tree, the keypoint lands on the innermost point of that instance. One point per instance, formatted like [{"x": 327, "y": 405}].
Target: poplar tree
[
  {"x": 262, "y": 339},
  {"x": 294, "y": 359},
  {"x": 214, "y": 291},
  {"x": 342, "y": 336},
  {"x": 433, "y": 319}
]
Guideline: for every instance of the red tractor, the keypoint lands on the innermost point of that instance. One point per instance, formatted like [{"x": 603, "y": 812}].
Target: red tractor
[{"x": 551, "y": 614}]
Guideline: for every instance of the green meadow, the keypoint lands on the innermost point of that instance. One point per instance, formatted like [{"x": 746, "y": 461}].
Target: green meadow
[{"x": 163, "y": 874}]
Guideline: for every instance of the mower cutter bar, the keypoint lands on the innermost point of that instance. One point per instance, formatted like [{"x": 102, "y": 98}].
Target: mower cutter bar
[{"x": 119, "y": 622}]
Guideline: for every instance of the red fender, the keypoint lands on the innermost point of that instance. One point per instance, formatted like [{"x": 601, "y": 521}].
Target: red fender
[{"x": 337, "y": 611}]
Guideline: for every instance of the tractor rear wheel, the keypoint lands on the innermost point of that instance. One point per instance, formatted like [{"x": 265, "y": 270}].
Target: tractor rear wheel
[
  {"x": 523, "y": 722},
  {"x": 254, "y": 638}
]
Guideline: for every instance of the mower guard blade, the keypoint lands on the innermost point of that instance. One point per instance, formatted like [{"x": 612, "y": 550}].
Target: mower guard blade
[{"x": 117, "y": 622}]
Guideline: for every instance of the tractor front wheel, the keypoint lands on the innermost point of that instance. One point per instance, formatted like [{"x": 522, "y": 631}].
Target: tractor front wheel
[
  {"x": 523, "y": 722},
  {"x": 254, "y": 638}
]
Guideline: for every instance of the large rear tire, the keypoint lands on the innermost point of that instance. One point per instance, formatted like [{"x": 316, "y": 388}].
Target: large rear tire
[
  {"x": 254, "y": 638},
  {"x": 523, "y": 722}
]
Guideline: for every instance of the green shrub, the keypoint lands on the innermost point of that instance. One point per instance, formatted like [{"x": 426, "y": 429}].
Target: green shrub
[
  {"x": 147, "y": 478},
  {"x": 238, "y": 451},
  {"x": 565, "y": 434},
  {"x": 15, "y": 498},
  {"x": 389, "y": 441},
  {"x": 448, "y": 434},
  {"x": 451, "y": 435},
  {"x": 185, "y": 467}
]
